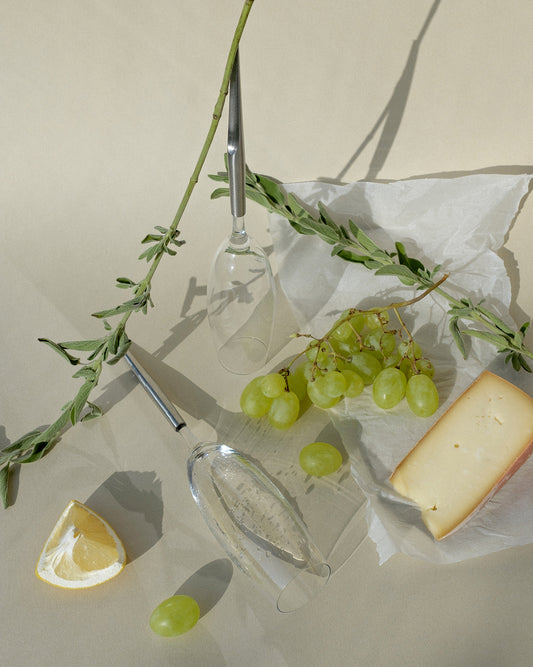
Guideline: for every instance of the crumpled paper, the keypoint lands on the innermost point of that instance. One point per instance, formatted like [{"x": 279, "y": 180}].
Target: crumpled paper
[{"x": 458, "y": 223}]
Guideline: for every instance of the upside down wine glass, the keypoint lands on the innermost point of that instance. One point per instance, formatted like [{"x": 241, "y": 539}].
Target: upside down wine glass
[
  {"x": 247, "y": 512},
  {"x": 240, "y": 293}
]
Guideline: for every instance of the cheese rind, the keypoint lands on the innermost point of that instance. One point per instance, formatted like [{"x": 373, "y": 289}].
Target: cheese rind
[{"x": 468, "y": 454}]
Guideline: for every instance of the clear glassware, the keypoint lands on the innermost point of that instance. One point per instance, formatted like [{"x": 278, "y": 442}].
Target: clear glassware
[
  {"x": 241, "y": 291},
  {"x": 240, "y": 302},
  {"x": 256, "y": 525},
  {"x": 247, "y": 512}
]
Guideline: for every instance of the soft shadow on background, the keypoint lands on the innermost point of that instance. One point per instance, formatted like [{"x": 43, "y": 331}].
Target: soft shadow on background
[
  {"x": 208, "y": 584},
  {"x": 132, "y": 503},
  {"x": 391, "y": 117}
]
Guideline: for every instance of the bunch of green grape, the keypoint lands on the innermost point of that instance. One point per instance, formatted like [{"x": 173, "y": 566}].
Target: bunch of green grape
[{"x": 360, "y": 350}]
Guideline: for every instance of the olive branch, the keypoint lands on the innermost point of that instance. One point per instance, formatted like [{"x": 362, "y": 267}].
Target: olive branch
[
  {"x": 114, "y": 344},
  {"x": 350, "y": 243}
]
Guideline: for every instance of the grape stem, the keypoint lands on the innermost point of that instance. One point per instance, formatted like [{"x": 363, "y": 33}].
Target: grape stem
[{"x": 318, "y": 342}]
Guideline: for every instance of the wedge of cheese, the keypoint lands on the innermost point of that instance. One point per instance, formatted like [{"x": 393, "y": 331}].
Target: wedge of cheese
[{"x": 468, "y": 454}]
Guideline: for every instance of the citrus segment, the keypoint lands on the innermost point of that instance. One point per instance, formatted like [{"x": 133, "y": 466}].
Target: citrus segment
[{"x": 81, "y": 551}]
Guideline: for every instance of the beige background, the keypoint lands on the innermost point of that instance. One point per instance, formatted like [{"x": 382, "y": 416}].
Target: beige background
[{"x": 105, "y": 105}]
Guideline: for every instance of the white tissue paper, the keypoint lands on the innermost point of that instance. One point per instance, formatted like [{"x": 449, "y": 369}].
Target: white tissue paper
[{"x": 458, "y": 223}]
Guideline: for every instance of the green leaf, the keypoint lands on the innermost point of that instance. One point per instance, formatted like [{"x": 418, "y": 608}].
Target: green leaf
[
  {"x": 220, "y": 192},
  {"x": 94, "y": 412},
  {"x": 499, "y": 341},
  {"x": 86, "y": 372},
  {"x": 60, "y": 350},
  {"x": 124, "y": 347},
  {"x": 79, "y": 401},
  {"x": 221, "y": 176},
  {"x": 150, "y": 238},
  {"x": 295, "y": 207},
  {"x": 337, "y": 250},
  {"x": 399, "y": 270},
  {"x": 151, "y": 252},
  {"x": 456, "y": 334},
  {"x": 272, "y": 189},
  {"x": 301, "y": 229},
  {"x": 123, "y": 308},
  {"x": 38, "y": 450},
  {"x": 20, "y": 444},
  {"x": 495, "y": 320},
  {"x": 126, "y": 281},
  {"x": 4, "y": 485},
  {"x": 82, "y": 345},
  {"x": 351, "y": 256},
  {"x": 259, "y": 198},
  {"x": 414, "y": 264},
  {"x": 364, "y": 240}
]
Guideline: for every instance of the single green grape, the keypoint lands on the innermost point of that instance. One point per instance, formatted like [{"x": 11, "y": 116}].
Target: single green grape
[
  {"x": 284, "y": 410},
  {"x": 410, "y": 348},
  {"x": 315, "y": 391},
  {"x": 298, "y": 381},
  {"x": 253, "y": 402},
  {"x": 422, "y": 395},
  {"x": 372, "y": 339},
  {"x": 175, "y": 616},
  {"x": 272, "y": 385},
  {"x": 354, "y": 383},
  {"x": 310, "y": 371},
  {"x": 425, "y": 366},
  {"x": 357, "y": 321},
  {"x": 320, "y": 458},
  {"x": 334, "y": 384},
  {"x": 376, "y": 320},
  {"x": 366, "y": 365},
  {"x": 393, "y": 359},
  {"x": 320, "y": 355},
  {"x": 343, "y": 332},
  {"x": 389, "y": 388},
  {"x": 387, "y": 343}
]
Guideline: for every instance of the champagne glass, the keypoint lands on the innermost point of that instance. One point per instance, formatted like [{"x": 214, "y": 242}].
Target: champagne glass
[
  {"x": 247, "y": 513},
  {"x": 240, "y": 291}
]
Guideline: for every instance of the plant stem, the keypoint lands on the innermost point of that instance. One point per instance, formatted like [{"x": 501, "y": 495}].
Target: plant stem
[{"x": 36, "y": 444}]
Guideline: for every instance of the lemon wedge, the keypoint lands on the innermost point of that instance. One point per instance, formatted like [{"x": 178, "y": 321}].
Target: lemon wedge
[{"x": 81, "y": 551}]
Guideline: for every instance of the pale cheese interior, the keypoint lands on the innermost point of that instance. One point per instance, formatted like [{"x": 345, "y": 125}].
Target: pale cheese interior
[{"x": 469, "y": 452}]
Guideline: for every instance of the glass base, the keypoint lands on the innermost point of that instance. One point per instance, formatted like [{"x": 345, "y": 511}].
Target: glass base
[
  {"x": 243, "y": 355},
  {"x": 304, "y": 587}
]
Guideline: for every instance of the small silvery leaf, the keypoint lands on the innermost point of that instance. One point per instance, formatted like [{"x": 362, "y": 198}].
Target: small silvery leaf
[
  {"x": 60, "y": 350},
  {"x": 220, "y": 192},
  {"x": 94, "y": 412},
  {"x": 4, "y": 485},
  {"x": 454, "y": 328}
]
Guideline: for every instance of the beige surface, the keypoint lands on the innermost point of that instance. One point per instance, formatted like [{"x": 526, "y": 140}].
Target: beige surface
[{"x": 104, "y": 109}]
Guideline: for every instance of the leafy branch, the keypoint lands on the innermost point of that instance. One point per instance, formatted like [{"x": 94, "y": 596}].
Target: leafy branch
[
  {"x": 114, "y": 344},
  {"x": 353, "y": 245}
]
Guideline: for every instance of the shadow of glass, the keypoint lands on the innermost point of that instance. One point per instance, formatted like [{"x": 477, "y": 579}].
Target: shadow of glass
[
  {"x": 132, "y": 503},
  {"x": 208, "y": 584}
]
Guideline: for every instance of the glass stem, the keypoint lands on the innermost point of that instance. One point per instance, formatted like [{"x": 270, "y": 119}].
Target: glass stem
[{"x": 239, "y": 237}]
